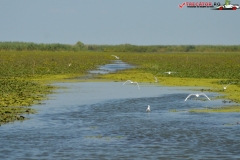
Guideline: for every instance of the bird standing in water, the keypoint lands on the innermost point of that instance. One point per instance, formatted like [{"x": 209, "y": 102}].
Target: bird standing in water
[{"x": 148, "y": 109}]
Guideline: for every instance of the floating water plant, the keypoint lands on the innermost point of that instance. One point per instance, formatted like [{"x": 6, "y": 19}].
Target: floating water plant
[
  {"x": 24, "y": 76},
  {"x": 224, "y": 109},
  {"x": 173, "y": 110}
]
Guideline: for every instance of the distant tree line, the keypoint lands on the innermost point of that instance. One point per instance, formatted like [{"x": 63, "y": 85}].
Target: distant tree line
[
  {"x": 79, "y": 46},
  {"x": 28, "y": 46}
]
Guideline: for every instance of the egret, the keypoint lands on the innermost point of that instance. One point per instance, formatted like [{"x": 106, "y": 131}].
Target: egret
[
  {"x": 132, "y": 83},
  {"x": 156, "y": 80},
  {"x": 170, "y": 72},
  {"x": 225, "y": 87},
  {"x": 115, "y": 56},
  {"x": 197, "y": 95},
  {"x": 148, "y": 109}
]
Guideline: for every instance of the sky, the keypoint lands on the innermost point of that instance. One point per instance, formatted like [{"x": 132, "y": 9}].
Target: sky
[{"x": 112, "y": 22}]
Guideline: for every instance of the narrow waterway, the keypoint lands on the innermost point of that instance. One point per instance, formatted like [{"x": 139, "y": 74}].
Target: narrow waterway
[{"x": 108, "y": 120}]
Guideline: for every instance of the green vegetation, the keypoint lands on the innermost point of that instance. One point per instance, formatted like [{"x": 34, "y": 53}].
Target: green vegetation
[
  {"x": 217, "y": 109},
  {"x": 27, "y": 68},
  {"x": 24, "y": 76},
  {"x": 79, "y": 46},
  {"x": 207, "y": 70},
  {"x": 173, "y": 110},
  {"x": 29, "y": 64},
  {"x": 16, "y": 97},
  {"x": 188, "y": 65}
]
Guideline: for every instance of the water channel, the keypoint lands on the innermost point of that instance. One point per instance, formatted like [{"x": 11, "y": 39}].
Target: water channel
[{"x": 108, "y": 120}]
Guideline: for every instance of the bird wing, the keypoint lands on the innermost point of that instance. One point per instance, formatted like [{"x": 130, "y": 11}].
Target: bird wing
[
  {"x": 138, "y": 85},
  {"x": 126, "y": 81},
  {"x": 115, "y": 56},
  {"x": 228, "y": 85},
  {"x": 188, "y": 96},
  {"x": 205, "y": 96}
]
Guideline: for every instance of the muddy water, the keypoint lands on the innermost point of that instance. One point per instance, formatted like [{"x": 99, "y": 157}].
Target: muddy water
[{"x": 108, "y": 120}]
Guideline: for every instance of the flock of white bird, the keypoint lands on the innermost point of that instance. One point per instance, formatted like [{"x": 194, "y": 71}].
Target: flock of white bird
[{"x": 169, "y": 72}]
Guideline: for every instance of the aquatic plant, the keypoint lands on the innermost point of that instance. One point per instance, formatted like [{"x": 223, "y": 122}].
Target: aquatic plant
[
  {"x": 224, "y": 109},
  {"x": 24, "y": 76},
  {"x": 25, "y": 72},
  {"x": 187, "y": 65},
  {"x": 192, "y": 69},
  {"x": 39, "y": 63},
  {"x": 173, "y": 110}
]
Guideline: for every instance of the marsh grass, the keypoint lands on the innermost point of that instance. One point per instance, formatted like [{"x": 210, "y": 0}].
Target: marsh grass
[
  {"x": 25, "y": 77},
  {"x": 207, "y": 70},
  {"x": 173, "y": 110},
  {"x": 17, "y": 95},
  {"x": 224, "y": 109}
]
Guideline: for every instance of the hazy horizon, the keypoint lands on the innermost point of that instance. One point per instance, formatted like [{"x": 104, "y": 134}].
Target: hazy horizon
[{"x": 107, "y": 22}]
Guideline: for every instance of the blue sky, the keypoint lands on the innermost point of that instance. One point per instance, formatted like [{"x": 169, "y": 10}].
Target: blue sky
[{"x": 139, "y": 22}]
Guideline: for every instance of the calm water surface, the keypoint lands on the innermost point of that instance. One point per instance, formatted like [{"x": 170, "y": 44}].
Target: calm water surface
[{"x": 108, "y": 120}]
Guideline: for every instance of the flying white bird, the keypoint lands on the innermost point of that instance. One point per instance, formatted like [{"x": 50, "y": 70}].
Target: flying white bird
[
  {"x": 156, "y": 80},
  {"x": 225, "y": 87},
  {"x": 197, "y": 95},
  {"x": 170, "y": 72},
  {"x": 148, "y": 109},
  {"x": 115, "y": 56},
  {"x": 132, "y": 83}
]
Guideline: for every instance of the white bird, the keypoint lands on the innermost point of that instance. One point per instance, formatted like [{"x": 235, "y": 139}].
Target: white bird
[
  {"x": 132, "y": 83},
  {"x": 170, "y": 72},
  {"x": 69, "y": 64},
  {"x": 148, "y": 109},
  {"x": 197, "y": 95},
  {"x": 156, "y": 80},
  {"x": 225, "y": 87},
  {"x": 115, "y": 56}
]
